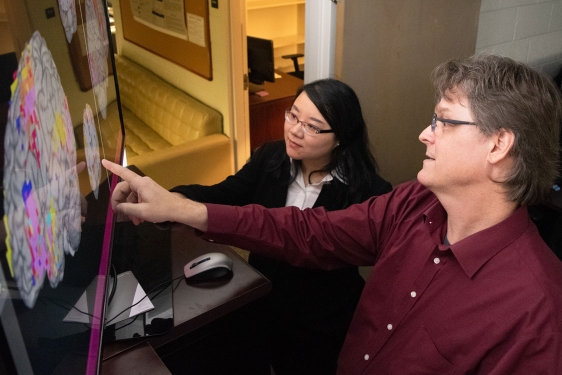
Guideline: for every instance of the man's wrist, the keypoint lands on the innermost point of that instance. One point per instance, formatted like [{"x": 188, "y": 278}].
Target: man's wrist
[{"x": 192, "y": 213}]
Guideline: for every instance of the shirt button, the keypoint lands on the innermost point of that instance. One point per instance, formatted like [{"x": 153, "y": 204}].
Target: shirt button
[
  {"x": 413, "y": 294},
  {"x": 436, "y": 260},
  {"x": 366, "y": 357},
  {"x": 389, "y": 327}
]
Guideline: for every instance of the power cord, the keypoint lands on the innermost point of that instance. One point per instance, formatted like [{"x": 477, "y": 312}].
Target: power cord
[
  {"x": 165, "y": 283},
  {"x": 114, "y": 285}
]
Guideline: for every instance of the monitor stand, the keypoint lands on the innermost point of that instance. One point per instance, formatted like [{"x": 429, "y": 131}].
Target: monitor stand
[
  {"x": 145, "y": 251},
  {"x": 129, "y": 299}
]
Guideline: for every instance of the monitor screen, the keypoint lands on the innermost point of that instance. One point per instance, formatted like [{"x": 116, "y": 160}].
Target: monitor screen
[
  {"x": 55, "y": 252},
  {"x": 260, "y": 60}
]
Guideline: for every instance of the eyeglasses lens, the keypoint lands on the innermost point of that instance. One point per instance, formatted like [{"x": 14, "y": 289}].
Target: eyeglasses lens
[
  {"x": 293, "y": 120},
  {"x": 433, "y": 122}
]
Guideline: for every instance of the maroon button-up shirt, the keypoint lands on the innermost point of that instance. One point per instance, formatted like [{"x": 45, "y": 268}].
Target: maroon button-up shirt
[{"x": 489, "y": 304}]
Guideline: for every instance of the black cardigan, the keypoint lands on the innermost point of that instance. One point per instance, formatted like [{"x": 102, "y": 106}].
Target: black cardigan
[{"x": 254, "y": 184}]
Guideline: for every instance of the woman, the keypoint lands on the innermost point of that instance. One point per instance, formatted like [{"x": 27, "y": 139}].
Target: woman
[{"x": 324, "y": 160}]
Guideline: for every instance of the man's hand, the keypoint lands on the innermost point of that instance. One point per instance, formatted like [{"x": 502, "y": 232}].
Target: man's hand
[{"x": 142, "y": 199}]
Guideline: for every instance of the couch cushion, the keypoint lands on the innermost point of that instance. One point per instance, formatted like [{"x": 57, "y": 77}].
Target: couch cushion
[
  {"x": 172, "y": 114},
  {"x": 139, "y": 138}
]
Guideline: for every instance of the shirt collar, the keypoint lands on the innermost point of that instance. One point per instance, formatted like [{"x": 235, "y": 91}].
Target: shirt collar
[
  {"x": 475, "y": 250},
  {"x": 435, "y": 219},
  {"x": 329, "y": 177},
  {"x": 300, "y": 180}
]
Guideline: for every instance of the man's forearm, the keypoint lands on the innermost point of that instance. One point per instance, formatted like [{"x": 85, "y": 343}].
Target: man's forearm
[{"x": 191, "y": 213}]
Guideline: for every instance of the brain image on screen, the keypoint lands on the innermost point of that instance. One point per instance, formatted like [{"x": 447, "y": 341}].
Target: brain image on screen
[
  {"x": 92, "y": 150},
  {"x": 67, "y": 10},
  {"x": 98, "y": 50},
  {"x": 41, "y": 192}
]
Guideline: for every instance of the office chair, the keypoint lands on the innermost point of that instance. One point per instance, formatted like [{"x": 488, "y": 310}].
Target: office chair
[{"x": 297, "y": 73}]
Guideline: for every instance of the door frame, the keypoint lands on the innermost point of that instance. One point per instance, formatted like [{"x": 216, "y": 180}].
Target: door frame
[{"x": 240, "y": 112}]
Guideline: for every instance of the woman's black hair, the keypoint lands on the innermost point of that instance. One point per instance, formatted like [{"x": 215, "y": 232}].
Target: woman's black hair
[{"x": 352, "y": 159}]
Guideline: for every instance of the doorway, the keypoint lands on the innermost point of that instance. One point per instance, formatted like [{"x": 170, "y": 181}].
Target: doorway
[
  {"x": 283, "y": 23},
  {"x": 296, "y": 26}
]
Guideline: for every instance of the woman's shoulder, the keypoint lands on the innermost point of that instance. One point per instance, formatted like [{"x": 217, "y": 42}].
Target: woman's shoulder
[
  {"x": 271, "y": 147},
  {"x": 270, "y": 151},
  {"x": 380, "y": 185},
  {"x": 374, "y": 184},
  {"x": 271, "y": 158}
]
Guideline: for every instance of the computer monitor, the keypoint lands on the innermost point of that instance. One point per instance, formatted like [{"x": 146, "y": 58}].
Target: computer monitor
[
  {"x": 55, "y": 249},
  {"x": 260, "y": 60}
]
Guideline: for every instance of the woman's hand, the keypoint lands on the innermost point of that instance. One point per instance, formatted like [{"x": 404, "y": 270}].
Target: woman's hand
[{"x": 142, "y": 199}]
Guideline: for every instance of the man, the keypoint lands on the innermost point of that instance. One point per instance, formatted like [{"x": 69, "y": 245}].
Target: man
[{"x": 462, "y": 282}]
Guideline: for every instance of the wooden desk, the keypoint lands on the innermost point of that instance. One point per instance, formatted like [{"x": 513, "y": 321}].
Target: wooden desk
[
  {"x": 140, "y": 359},
  {"x": 266, "y": 112}
]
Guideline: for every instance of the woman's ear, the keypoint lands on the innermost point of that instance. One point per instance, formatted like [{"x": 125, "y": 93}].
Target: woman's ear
[{"x": 502, "y": 144}]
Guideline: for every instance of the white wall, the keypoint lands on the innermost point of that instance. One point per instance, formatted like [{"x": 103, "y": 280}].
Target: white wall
[{"x": 525, "y": 30}]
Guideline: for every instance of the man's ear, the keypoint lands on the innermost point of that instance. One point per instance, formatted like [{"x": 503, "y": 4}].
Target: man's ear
[{"x": 502, "y": 143}]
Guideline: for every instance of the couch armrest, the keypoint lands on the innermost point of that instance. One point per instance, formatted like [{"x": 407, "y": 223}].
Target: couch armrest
[{"x": 205, "y": 161}]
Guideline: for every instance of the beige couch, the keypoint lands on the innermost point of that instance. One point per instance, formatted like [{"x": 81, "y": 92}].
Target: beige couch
[{"x": 170, "y": 136}]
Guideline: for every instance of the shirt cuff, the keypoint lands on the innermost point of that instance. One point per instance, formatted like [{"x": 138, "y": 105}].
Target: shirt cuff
[{"x": 221, "y": 220}]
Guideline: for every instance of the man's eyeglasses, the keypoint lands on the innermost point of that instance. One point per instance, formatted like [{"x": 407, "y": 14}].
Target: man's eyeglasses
[
  {"x": 446, "y": 120},
  {"x": 309, "y": 129}
]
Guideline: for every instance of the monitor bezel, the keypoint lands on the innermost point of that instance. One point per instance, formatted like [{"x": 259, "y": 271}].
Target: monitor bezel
[{"x": 94, "y": 351}]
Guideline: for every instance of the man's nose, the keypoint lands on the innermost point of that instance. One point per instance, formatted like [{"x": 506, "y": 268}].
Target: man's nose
[{"x": 426, "y": 136}]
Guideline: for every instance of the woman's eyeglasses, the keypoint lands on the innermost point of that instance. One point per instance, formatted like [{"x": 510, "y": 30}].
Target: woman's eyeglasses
[{"x": 309, "y": 129}]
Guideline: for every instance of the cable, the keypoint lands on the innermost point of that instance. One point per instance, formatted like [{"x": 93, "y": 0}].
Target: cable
[
  {"x": 112, "y": 293},
  {"x": 59, "y": 302},
  {"x": 166, "y": 283},
  {"x": 52, "y": 300},
  {"x": 128, "y": 324}
]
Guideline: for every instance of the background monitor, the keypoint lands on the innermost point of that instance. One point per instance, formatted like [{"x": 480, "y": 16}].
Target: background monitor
[
  {"x": 55, "y": 250},
  {"x": 260, "y": 60}
]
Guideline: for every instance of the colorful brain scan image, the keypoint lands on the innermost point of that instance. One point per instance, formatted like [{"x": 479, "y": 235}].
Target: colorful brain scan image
[
  {"x": 92, "y": 150},
  {"x": 41, "y": 191},
  {"x": 67, "y": 10},
  {"x": 98, "y": 50}
]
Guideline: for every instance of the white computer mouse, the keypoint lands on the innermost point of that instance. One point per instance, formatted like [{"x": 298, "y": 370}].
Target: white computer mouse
[{"x": 208, "y": 266}]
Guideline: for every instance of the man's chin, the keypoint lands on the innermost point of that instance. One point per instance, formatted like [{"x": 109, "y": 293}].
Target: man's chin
[{"x": 423, "y": 178}]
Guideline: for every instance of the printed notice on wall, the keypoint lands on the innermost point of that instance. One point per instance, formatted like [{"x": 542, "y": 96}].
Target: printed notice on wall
[
  {"x": 196, "y": 29},
  {"x": 166, "y": 16}
]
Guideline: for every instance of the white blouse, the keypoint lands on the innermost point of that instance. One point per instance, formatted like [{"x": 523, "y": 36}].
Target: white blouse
[{"x": 301, "y": 195}]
